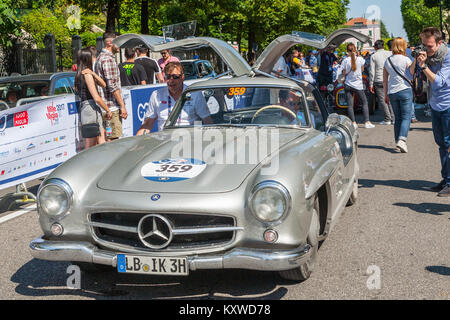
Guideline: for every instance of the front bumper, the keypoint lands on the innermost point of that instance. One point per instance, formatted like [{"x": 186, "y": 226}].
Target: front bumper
[{"x": 262, "y": 260}]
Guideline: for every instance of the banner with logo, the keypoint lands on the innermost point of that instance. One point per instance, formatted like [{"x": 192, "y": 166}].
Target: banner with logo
[{"x": 36, "y": 138}]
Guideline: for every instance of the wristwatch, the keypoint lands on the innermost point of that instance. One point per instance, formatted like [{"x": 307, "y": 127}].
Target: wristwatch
[{"x": 423, "y": 68}]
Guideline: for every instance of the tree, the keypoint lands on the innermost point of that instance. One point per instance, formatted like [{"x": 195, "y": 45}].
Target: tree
[
  {"x": 144, "y": 17},
  {"x": 9, "y": 26},
  {"x": 416, "y": 17},
  {"x": 384, "y": 32},
  {"x": 112, "y": 15}
]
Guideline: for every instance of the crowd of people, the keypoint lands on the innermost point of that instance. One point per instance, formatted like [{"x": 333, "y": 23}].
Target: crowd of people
[
  {"x": 390, "y": 73},
  {"x": 394, "y": 77},
  {"x": 99, "y": 80}
]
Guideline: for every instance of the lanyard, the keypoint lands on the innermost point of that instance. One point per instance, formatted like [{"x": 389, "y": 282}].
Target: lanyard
[{"x": 169, "y": 108}]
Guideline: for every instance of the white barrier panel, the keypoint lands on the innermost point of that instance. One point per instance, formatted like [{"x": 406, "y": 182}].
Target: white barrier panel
[{"x": 37, "y": 137}]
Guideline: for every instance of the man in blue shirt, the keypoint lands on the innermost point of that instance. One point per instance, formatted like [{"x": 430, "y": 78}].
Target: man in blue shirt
[{"x": 435, "y": 64}]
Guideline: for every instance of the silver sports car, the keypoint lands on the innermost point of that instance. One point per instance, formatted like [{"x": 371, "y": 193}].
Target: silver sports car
[{"x": 258, "y": 186}]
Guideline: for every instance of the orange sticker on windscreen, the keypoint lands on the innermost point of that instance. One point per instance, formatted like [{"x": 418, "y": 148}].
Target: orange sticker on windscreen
[{"x": 236, "y": 91}]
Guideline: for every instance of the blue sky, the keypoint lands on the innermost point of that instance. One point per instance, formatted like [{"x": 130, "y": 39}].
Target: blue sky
[{"x": 388, "y": 10}]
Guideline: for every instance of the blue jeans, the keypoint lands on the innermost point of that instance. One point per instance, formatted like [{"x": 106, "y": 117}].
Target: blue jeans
[
  {"x": 401, "y": 103},
  {"x": 441, "y": 131},
  {"x": 413, "y": 111}
]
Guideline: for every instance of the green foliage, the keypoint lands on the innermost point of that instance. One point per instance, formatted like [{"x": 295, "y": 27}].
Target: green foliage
[
  {"x": 384, "y": 32},
  {"x": 9, "y": 26},
  {"x": 89, "y": 38},
  {"x": 416, "y": 17},
  {"x": 41, "y": 22}
]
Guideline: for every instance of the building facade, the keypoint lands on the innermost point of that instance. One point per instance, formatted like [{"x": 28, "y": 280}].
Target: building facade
[{"x": 371, "y": 28}]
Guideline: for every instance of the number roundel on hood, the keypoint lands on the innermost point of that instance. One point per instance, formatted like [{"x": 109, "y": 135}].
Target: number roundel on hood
[{"x": 171, "y": 170}]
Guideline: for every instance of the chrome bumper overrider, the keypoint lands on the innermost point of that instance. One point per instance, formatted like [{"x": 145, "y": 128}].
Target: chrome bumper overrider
[{"x": 262, "y": 260}]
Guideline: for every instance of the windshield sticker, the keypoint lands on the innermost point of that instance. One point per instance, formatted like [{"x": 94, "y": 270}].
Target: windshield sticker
[
  {"x": 236, "y": 91},
  {"x": 171, "y": 170}
]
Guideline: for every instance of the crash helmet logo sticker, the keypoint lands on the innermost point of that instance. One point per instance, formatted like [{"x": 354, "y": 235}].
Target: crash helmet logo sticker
[
  {"x": 155, "y": 231},
  {"x": 171, "y": 170}
]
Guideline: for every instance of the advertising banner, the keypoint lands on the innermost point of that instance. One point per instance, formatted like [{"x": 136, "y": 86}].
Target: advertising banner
[{"x": 36, "y": 138}]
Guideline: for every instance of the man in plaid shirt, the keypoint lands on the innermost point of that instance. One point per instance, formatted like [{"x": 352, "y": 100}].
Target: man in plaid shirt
[{"x": 106, "y": 67}]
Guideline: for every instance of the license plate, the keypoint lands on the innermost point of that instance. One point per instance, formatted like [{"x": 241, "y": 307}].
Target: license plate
[{"x": 152, "y": 265}]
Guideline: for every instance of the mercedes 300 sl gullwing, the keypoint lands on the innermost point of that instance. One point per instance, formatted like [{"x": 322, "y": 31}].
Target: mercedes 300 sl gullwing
[{"x": 257, "y": 186}]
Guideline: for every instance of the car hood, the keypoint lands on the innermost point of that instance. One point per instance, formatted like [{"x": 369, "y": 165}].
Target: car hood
[{"x": 135, "y": 170}]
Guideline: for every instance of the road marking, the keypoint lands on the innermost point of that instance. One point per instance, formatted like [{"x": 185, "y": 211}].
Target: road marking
[{"x": 17, "y": 214}]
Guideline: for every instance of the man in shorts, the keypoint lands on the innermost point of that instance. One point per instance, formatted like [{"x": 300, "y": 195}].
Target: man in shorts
[{"x": 106, "y": 67}]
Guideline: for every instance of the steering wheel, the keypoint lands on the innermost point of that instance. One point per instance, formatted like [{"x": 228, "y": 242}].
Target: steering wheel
[{"x": 276, "y": 106}]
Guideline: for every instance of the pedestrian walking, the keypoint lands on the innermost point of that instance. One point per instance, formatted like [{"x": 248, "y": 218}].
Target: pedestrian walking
[
  {"x": 435, "y": 64},
  {"x": 90, "y": 100},
  {"x": 398, "y": 91},
  {"x": 377, "y": 61},
  {"x": 352, "y": 70},
  {"x": 131, "y": 73},
  {"x": 107, "y": 69}
]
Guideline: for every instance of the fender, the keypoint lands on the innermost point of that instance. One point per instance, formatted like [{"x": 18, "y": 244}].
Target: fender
[{"x": 323, "y": 174}]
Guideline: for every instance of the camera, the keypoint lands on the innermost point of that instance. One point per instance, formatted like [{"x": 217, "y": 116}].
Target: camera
[{"x": 418, "y": 50}]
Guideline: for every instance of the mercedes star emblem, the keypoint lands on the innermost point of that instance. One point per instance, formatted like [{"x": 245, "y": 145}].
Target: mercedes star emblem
[{"x": 155, "y": 231}]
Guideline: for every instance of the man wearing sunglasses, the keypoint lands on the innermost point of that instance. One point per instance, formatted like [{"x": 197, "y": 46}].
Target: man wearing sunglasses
[
  {"x": 163, "y": 100},
  {"x": 166, "y": 58}
]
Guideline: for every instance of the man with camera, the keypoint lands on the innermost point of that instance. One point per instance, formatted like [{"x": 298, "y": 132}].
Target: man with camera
[{"x": 433, "y": 58}]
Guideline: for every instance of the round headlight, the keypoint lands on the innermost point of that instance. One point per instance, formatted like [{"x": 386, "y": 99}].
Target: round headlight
[
  {"x": 270, "y": 201},
  {"x": 55, "y": 198}
]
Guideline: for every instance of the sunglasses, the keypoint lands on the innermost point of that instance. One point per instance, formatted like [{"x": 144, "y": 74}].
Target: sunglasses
[{"x": 173, "y": 76}]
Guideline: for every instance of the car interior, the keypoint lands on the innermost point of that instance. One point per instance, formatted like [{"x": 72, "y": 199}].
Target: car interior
[{"x": 260, "y": 106}]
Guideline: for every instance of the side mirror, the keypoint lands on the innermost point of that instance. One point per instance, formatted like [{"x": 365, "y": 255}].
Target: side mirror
[{"x": 333, "y": 121}]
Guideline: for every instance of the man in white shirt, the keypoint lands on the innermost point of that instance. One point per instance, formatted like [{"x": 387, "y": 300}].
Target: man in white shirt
[
  {"x": 377, "y": 61},
  {"x": 162, "y": 102}
]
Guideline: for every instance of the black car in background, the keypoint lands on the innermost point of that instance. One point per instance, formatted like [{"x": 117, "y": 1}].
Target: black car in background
[{"x": 19, "y": 90}]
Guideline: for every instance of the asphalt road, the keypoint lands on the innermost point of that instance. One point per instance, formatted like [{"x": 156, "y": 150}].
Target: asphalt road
[{"x": 398, "y": 229}]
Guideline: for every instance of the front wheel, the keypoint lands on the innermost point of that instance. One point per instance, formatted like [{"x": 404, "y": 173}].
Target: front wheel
[{"x": 304, "y": 271}]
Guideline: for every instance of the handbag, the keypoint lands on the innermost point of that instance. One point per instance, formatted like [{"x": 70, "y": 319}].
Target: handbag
[{"x": 91, "y": 130}]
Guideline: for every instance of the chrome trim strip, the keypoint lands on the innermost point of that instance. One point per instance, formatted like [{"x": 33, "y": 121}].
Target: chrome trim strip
[
  {"x": 113, "y": 227},
  {"x": 184, "y": 231},
  {"x": 176, "y": 232},
  {"x": 262, "y": 260}
]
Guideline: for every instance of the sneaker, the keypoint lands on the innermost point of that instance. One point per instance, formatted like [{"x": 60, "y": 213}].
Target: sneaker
[
  {"x": 355, "y": 125},
  {"x": 445, "y": 192},
  {"x": 385, "y": 123},
  {"x": 438, "y": 187},
  {"x": 402, "y": 146},
  {"x": 368, "y": 125}
]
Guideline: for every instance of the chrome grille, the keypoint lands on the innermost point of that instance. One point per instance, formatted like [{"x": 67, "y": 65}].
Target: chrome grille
[{"x": 190, "y": 231}]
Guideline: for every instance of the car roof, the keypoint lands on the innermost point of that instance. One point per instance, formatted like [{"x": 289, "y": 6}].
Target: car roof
[
  {"x": 36, "y": 77},
  {"x": 264, "y": 81}
]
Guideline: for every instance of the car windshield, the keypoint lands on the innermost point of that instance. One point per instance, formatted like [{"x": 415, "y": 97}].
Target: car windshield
[
  {"x": 240, "y": 106},
  {"x": 11, "y": 92}
]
